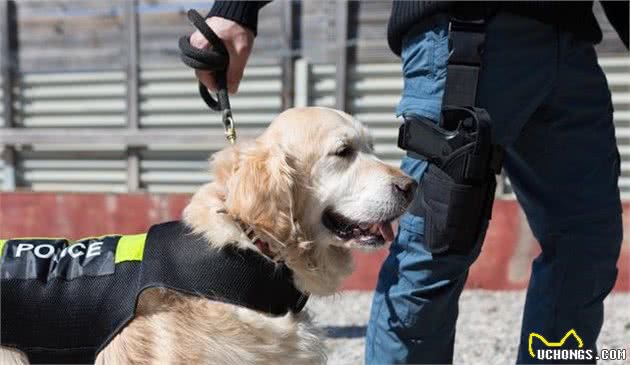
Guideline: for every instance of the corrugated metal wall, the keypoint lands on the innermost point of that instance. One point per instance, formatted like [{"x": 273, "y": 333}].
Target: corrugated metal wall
[
  {"x": 618, "y": 74},
  {"x": 72, "y": 62},
  {"x": 375, "y": 91},
  {"x": 3, "y": 168},
  {"x": 170, "y": 100},
  {"x": 69, "y": 87}
]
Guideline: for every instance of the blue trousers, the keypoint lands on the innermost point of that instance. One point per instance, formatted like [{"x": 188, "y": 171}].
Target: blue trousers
[{"x": 551, "y": 110}]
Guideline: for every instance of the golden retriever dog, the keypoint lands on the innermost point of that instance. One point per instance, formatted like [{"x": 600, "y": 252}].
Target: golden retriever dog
[{"x": 311, "y": 188}]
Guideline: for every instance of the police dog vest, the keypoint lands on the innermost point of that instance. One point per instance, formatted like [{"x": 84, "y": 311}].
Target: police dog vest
[{"x": 62, "y": 302}]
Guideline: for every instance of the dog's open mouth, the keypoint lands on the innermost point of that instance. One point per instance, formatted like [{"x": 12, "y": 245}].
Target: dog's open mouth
[{"x": 368, "y": 233}]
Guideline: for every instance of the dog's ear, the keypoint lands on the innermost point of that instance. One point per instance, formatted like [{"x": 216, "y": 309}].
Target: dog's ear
[
  {"x": 224, "y": 163},
  {"x": 260, "y": 190}
]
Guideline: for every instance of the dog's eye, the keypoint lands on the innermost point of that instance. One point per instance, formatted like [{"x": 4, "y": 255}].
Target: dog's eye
[{"x": 344, "y": 151}]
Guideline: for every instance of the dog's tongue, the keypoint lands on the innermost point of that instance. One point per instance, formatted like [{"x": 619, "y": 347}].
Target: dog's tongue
[{"x": 386, "y": 231}]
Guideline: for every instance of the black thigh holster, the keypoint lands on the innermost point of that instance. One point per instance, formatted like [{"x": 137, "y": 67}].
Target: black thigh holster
[{"x": 457, "y": 190}]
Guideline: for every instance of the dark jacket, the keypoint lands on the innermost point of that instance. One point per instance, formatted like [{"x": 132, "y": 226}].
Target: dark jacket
[{"x": 576, "y": 17}]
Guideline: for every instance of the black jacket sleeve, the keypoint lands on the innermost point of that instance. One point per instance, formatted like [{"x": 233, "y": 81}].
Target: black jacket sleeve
[
  {"x": 618, "y": 13},
  {"x": 243, "y": 12},
  {"x": 407, "y": 13}
]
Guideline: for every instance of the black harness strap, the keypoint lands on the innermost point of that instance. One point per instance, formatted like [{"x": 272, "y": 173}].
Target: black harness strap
[
  {"x": 241, "y": 277},
  {"x": 466, "y": 39}
]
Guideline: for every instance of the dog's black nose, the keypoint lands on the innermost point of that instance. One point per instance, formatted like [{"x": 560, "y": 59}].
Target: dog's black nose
[{"x": 405, "y": 186}]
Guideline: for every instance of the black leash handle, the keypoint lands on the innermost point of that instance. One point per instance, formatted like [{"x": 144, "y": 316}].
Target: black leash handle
[{"x": 215, "y": 59}]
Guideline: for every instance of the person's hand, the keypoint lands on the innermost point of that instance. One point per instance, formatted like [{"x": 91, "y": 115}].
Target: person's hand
[{"x": 238, "y": 40}]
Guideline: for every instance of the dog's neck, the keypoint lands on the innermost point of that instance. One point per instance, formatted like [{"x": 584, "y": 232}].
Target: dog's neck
[
  {"x": 257, "y": 240},
  {"x": 317, "y": 269}
]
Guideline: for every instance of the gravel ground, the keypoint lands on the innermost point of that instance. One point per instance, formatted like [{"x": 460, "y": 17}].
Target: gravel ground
[{"x": 487, "y": 330}]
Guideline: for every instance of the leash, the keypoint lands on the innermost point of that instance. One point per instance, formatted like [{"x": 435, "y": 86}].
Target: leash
[{"x": 215, "y": 59}]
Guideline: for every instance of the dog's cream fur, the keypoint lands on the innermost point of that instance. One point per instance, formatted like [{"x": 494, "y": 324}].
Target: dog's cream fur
[{"x": 279, "y": 184}]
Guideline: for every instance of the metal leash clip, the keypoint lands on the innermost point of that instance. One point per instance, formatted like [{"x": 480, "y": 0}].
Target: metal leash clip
[{"x": 215, "y": 59}]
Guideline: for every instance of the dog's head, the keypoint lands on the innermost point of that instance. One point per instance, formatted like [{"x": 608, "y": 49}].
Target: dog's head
[
  {"x": 313, "y": 174},
  {"x": 311, "y": 187}
]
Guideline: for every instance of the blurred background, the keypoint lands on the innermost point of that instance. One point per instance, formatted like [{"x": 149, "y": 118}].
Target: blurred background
[
  {"x": 102, "y": 130},
  {"x": 96, "y": 99}
]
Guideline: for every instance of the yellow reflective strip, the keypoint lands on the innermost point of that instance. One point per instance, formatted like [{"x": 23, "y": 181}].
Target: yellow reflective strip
[
  {"x": 130, "y": 248},
  {"x": 2, "y": 242}
]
